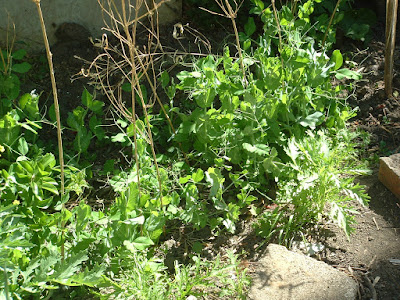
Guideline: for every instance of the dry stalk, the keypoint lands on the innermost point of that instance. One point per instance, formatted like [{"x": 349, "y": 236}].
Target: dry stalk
[
  {"x": 57, "y": 111},
  {"x": 128, "y": 62},
  {"x": 330, "y": 22},
  {"x": 231, "y": 14},
  {"x": 9, "y": 46}
]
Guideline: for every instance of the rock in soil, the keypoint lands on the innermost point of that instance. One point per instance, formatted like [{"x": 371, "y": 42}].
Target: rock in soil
[
  {"x": 389, "y": 173},
  {"x": 284, "y": 274}
]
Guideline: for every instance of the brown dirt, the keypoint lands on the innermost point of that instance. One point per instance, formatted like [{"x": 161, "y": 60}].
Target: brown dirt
[{"x": 376, "y": 240}]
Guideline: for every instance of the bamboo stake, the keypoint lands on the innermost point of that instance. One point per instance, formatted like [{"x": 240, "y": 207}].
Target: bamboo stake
[
  {"x": 391, "y": 20},
  {"x": 57, "y": 110}
]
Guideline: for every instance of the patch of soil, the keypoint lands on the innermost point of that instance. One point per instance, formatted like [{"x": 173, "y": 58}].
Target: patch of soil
[{"x": 376, "y": 241}]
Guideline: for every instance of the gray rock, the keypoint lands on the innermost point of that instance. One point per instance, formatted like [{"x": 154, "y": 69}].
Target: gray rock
[{"x": 286, "y": 275}]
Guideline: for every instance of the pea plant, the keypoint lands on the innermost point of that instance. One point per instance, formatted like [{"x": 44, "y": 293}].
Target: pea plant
[
  {"x": 245, "y": 131},
  {"x": 258, "y": 131}
]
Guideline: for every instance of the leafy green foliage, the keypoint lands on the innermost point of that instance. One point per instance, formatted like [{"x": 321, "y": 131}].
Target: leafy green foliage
[
  {"x": 148, "y": 279},
  {"x": 272, "y": 143},
  {"x": 239, "y": 129},
  {"x": 76, "y": 121}
]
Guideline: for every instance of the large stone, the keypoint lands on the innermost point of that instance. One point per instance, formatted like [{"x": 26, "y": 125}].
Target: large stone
[
  {"x": 286, "y": 275},
  {"x": 389, "y": 173}
]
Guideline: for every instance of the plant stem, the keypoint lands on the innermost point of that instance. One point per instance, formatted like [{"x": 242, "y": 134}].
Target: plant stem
[
  {"x": 330, "y": 22},
  {"x": 57, "y": 111}
]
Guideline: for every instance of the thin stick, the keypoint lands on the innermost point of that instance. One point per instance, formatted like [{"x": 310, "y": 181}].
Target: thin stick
[
  {"x": 57, "y": 111},
  {"x": 376, "y": 224},
  {"x": 330, "y": 22},
  {"x": 391, "y": 20}
]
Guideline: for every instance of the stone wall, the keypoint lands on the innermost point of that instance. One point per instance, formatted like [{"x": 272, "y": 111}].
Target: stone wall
[{"x": 23, "y": 14}]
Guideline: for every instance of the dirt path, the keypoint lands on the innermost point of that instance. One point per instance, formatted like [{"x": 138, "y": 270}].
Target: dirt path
[{"x": 366, "y": 257}]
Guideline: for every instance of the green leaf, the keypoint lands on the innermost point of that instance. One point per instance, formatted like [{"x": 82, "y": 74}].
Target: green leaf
[
  {"x": 135, "y": 221},
  {"x": 205, "y": 98},
  {"x": 140, "y": 243},
  {"x": 50, "y": 185},
  {"x": 246, "y": 44},
  {"x": 86, "y": 98},
  {"x": 29, "y": 103},
  {"x": 21, "y": 68},
  {"x": 10, "y": 86},
  {"x": 109, "y": 166},
  {"x": 126, "y": 87},
  {"x": 214, "y": 177},
  {"x": 346, "y": 73},
  {"x": 19, "y": 54},
  {"x": 183, "y": 180},
  {"x": 259, "y": 149},
  {"x": 82, "y": 213},
  {"x": 119, "y": 137},
  {"x": 198, "y": 176},
  {"x": 82, "y": 140},
  {"x": 164, "y": 79},
  {"x": 23, "y": 146},
  {"x": 88, "y": 277},
  {"x": 311, "y": 120},
  {"x": 68, "y": 268},
  {"x": 76, "y": 119},
  {"x": 250, "y": 27},
  {"x": 47, "y": 160},
  {"x": 96, "y": 106},
  {"x": 95, "y": 127},
  {"x": 52, "y": 113},
  {"x": 65, "y": 215},
  {"x": 337, "y": 59}
]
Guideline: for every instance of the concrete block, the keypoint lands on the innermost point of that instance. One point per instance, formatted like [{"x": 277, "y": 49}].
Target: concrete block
[
  {"x": 87, "y": 13},
  {"x": 389, "y": 173}
]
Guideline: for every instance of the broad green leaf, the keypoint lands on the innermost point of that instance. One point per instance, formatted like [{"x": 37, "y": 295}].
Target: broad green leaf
[
  {"x": 23, "y": 146},
  {"x": 86, "y": 98},
  {"x": 346, "y": 73},
  {"x": 119, "y": 137},
  {"x": 47, "y": 160},
  {"x": 337, "y": 58},
  {"x": 214, "y": 177},
  {"x": 10, "y": 86},
  {"x": 250, "y": 27},
  {"x": 311, "y": 120},
  {"x": 82, "y": 213},
  {"x": 91, "y": 278},
  {"x": 21, "y": 68},
  {"x": 259, "y": 149},
  {"x": 96, "y": 106},
  {"x": 292, "y": 150},
  {"x": 29, "y": 103},
  {"x": 142, "y": 243},
  {"x": 164, "y": 79},
  {"x": 198, "y": 175},
  {"x": 50, "y": 185},
  {"x": 65, "y": 215},
  {"x": 183, "y": 180},
  {"x": 19, "y": 54},
  {"x": 82, "y": 140},
  {"x": 95, "y": 127},
  {"x": 76, "y": 119},
  {"x": 126, "y": 87},
  {"x": 135, "y": 221},
  {"x": 204, "y": 99}
]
